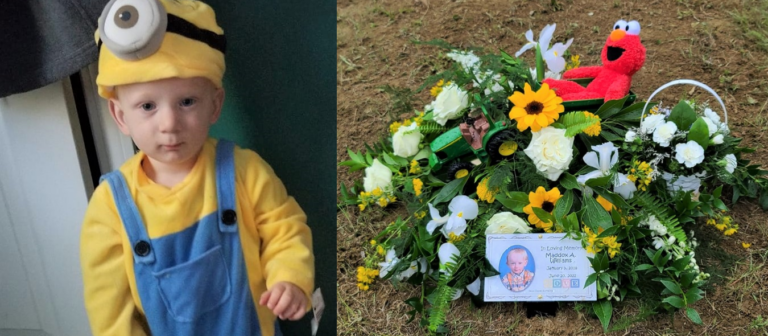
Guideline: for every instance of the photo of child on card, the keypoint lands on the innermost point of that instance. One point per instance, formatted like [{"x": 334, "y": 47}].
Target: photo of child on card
[{"x": 517, "y": 268}]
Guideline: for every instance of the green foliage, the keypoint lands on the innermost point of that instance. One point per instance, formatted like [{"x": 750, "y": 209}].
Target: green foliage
[
  {"x": 402, "y": 101},
  {"x": 576, "y": 122},
  {"x": 431, "y": 127},
  {"x": 682, "y": 115},
  {"x": 653, "y": 206},
  {"x": 700, "y": 133}
]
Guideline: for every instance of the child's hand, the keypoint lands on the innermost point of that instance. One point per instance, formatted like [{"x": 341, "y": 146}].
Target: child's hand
[{"x": 285, "y": 300}]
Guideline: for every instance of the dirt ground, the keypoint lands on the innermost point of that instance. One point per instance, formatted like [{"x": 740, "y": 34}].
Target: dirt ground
[{"x": 720, "y": 43}]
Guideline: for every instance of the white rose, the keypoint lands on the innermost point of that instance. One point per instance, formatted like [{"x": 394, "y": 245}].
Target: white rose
[
  {"x": 551, "y": 151},
  {"x": 682, "y": 183},
  {"x": 650, "y": 123},
  {"x": 623, "y": 186},
  {"x": 717, "y": 140},
  {"x": 449, "y": 103},
  {"x": 711, "y": 115},
  {"x": 406, "y": 140},
  {"x": 664, "y": 133},
  {"x": 710, "y": 125},
  {"x": 731, "y": 161},
  {"x": 377, "y": 176},
  {"x": 690, "y": 153},
  {"x": 506, "y": 222},
  {"x": 630, "y": 137}
]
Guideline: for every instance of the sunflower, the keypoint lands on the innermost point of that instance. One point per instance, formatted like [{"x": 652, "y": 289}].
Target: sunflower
[
  {"x": 535, "y": 109},
  {"x": 545, "y": 200}
]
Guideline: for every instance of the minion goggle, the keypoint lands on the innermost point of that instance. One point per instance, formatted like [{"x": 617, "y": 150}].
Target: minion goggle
[{"x": 134, "y": 29}]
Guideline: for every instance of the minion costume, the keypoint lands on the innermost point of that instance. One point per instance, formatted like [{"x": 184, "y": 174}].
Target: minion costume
[{"x": 193, "y": 259}]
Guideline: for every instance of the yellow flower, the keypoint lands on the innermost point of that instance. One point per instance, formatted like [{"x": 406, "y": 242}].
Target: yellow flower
[
  {"x": 720, "y": 226},
  {"x": 453, "y": 238},
  {"x": 394, "y": 127},
  {"x": 373, "y": 242},
  {"x": 729, "y": 232},
  {"x": 361, "y": 206},
  {"x": 420, "y": 214},
  {"x": 543, "y": 199},
  {"x": 383, "y": 202},
  {"x": 392, "y": 198},
  {"x": 484, "y": 194},
  {"x": 417, "y": 185},
  {"x": 574, "y": 63},
  {"x": 595, "y": 129},
  {"x": 380, "y": 250},
  {"x": 607, "y": 205},
  {"x": 415, "y": 168},
  {"x": 376, "y": 192},
  {"x": 535, "y": 109},
  {"x": 438, "y": 88},
  {"x": 418, "y": 120},
  {"x": 745, "y": 245}
]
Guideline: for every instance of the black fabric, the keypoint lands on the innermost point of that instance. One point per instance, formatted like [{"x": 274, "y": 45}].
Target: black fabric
[
  {"x": 43, "y": 41},
  {"x": 185, "y": 28}
]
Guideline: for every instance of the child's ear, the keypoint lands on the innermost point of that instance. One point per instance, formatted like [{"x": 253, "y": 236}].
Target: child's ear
[
  {"x": 118, "y": 115},
  {"x": 218, "y": 103}
]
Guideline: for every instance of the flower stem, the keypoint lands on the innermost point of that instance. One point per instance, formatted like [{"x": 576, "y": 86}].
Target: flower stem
[{"x": 539, "y": 64}]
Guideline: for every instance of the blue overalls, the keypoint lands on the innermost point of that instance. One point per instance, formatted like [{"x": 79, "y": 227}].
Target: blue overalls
[{"x": 193, "y": 282}]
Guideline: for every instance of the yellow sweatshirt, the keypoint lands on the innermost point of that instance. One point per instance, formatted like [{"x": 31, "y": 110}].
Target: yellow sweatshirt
[{"x": 276, "y": 241}]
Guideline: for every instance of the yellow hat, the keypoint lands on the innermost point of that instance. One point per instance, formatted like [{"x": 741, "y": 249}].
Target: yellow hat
[{"x": 146, "y": 40}]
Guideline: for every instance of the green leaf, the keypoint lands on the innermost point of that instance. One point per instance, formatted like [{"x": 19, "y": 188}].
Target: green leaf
[
  {"x": 590, "y": 280},
  {"x": 672, "y": 286},
  {"x": 683, "y": 116},
  {"x": 643, "y": 267},
  {"x": 450, "y": 190},
  {"x": 613, "y": 137},
  {"x": 680, "y": 264},
  {"x": 388, "y": 159},
  {"x": 693, "y": 315},
  {"x": 514, "y": 201},
  {"x": 563, "y": 205},
  {"x": 632, "y": 112},
  {"x": 355, "y": 156},
  {"x": 764, "y": 200},
  {"x": 687, "y": 278},
  {"x": 699, "y": 132},
  {"x": 599, "y": 182},
  {"x": 610, "y": 108},
  {"x": 543, "y": 215},
  {"x": 603, "y": 310},
  {"x": 693, "y": 295},
  {"x": 572, "y": 223},
  {"x": 576, "y": 122},
  {"x": 675, "y": 301},
  {"x": 718, "y": 191},
  {"x": 595, "y": 216},
  {"x": 569, "y": 181}
]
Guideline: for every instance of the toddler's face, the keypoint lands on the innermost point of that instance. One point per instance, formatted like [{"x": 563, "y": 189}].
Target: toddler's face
[
  {"x": 517, "y": 261},
  {"x": 168, "y": 119}
]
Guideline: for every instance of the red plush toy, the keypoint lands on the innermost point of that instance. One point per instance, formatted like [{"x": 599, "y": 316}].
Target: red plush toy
[{"x": 622, "y": 56}]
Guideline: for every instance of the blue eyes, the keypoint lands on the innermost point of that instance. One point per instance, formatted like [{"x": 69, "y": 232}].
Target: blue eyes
[{"x": 186, "y": 102}]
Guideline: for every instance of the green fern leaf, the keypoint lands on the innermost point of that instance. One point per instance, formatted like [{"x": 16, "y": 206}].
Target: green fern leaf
[
  {"x": 576, "y": 122},
  {"x": 661, "y": 211}
]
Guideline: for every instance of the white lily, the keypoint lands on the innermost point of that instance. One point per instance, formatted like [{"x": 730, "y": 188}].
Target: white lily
[
  {"x": 474, "y": 287},
  {"x": 461, "y": 208},
  {"x": 554, "y": 56},
  {"x": 419, "y": 265},
  {"x": 445, "y": 253},
  {"x": 390, "y": 260},
  {"x": 623, "y": 186},
  {"x": 602, "y": 157}
]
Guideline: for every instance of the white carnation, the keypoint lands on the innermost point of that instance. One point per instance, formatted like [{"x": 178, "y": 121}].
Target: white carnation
[
  {"x": 650, "y": 123},
  {"x": 690, "y": 153},
  {"x": 506, "y": 222},
  {"x": 406, "y": 140},
  {"x": 664, "y": 133},
  {"x": 710, "y": 125},
  {"x": 630, "y": 137},
  {"x": 717, "y": 140},
  {"x": 449, "y": 103},
  {"x": 551, "y": 151},
  {"x": 682, "y": 183},
  {"x": 377, "y": 176}
]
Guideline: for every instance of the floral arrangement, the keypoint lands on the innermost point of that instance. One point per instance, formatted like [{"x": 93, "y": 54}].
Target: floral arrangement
[{"x": 497, "y": 152}]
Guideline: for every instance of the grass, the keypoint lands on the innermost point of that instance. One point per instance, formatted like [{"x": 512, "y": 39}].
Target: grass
[{"x": 752, "y": 19}]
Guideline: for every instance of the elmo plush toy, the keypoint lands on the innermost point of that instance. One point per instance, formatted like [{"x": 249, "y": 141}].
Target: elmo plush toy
[{"x": 622, "y": 56}]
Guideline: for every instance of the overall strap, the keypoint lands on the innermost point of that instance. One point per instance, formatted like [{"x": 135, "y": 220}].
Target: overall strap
[
  {"x": 131, "y": 218},
  {"x": 225, "y": 186}
]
